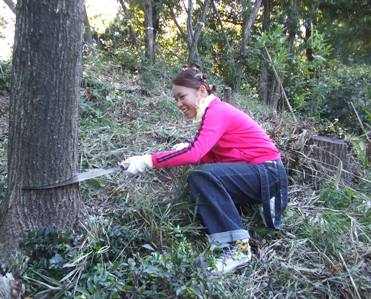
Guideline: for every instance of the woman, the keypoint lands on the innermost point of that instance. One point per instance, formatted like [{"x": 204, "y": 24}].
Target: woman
[{"x": 237, "y": 164}]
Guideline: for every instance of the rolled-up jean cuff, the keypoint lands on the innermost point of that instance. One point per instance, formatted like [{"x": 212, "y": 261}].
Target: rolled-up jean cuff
[{"x": 229, "y": 236}]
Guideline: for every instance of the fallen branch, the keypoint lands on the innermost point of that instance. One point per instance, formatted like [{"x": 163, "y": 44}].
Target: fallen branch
[{"x": 350, "y": 276}]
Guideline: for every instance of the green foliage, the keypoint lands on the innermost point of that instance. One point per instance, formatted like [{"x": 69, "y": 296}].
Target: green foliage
[
  {"x": 337, "y": 88},
  {"x": 347, "y": 26},
  {"x": 108, "y": 261},
  {"x": 157, "y": 76}
]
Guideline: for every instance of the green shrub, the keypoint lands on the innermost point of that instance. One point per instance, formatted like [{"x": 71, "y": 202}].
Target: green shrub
[{"x": 337, "y": 89}]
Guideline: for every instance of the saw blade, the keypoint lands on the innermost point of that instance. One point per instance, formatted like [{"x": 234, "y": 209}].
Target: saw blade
[{"x": 79, "y": 177}]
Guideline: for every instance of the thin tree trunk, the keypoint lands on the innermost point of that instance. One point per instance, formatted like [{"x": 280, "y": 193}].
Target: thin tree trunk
[
  {"x": 11, "y": 5},
  {"x": 229, "y": 48},
  {"x": 43, "y": 119},
  {"x": 193, "y": 50},
  {"x": 184, "y": 36},
  {"x": 275, "y": 95},
  {"x": 264, "y": 78},
  {"x": 88, "y": 34},
  {"x": 133, "y": 34},
  {"x": 148, "y": 30},
  {"x": 308, "y": 33},
  {"x": 157, "y": 4},
  {"x": 263, "y": 84},
  {"x": 245, "y": 39},
  {"x": 293, "y": 22},
  {"x": 190, "y": 32}
]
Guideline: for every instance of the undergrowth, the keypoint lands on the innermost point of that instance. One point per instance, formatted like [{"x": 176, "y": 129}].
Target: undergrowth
[{"x": 139, "y": 237}]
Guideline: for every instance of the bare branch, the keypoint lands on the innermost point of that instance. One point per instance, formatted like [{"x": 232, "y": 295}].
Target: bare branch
[
  {"x": 178, "y": 25},
  {"x": 246, "y": 29},
  {"x": 10, "y": 4}
]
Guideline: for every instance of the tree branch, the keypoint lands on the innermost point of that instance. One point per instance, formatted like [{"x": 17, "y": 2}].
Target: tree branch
[
  {"x": 11, "y": 5},
  {"x": 178, "y": 25},
  {"x": 246, "y": 29},
  {"x": 221, "y": 25}
]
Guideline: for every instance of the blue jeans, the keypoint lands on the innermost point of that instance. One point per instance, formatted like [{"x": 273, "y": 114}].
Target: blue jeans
[{"x": 218, "y": 187}]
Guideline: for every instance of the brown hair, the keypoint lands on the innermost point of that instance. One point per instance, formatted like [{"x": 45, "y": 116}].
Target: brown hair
[{"x": 192, "y": 78}]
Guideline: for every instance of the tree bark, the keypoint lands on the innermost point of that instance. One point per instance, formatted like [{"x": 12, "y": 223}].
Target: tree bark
[
  {"x": 245, "y": 39},
  {"x": 148, "y": 30},
  {"x": 11, "y": 5},
  {"x": 43, "y": 119}
]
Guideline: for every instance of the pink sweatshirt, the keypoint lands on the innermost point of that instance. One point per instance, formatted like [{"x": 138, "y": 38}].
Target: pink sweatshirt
[{"x": 226, "y": 134}]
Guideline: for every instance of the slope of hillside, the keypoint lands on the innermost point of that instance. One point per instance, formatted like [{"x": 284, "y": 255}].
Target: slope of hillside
[{"x": 139, "y": 236}]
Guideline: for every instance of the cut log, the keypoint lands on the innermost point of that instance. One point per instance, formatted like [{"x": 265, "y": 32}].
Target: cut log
[
  {"x": 330, "y": 159},
  {"x": 227, "y": 94}
]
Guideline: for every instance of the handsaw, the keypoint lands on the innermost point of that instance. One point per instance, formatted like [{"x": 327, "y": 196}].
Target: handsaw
[{"x": 78, "y": 177}]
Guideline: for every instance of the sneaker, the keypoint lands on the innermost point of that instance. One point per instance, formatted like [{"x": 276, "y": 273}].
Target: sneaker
[{"x": 233, "y": 257}]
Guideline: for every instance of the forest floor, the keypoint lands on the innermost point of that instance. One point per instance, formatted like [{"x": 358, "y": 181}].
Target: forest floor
[{"x": 140, "y": 236}]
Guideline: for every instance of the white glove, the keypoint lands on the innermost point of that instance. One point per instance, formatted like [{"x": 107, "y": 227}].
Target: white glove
[
  {"x": 137, "y": 164},
  {"x": 180, "y": 146}
]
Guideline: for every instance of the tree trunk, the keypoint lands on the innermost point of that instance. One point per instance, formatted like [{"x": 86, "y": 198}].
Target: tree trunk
[
  {"x": 133, "y": 34},
  {"x": 230, "y": 58},
  {"x": 293, "y": 22},
  {"x": 10, "y": 4},
  {"x": 308, "y": 32},
  {"x": 157, "y": 6},
  {"x": 195, "y": 35},
  {"x": 245, "y": 39},
  {"x": 43, "y": 119},
  {"x": 275, "y": 94},
  {"x": 148, "y": 30},
  {"x": 264, "y": 79},
  {"x": 88, "y": 34}
]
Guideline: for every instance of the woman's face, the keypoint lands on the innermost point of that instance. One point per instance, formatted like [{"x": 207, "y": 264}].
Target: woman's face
[{"x": 187, "y": 99}]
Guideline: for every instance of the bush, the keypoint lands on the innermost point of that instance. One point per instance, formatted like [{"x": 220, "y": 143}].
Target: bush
[{"x": 337, "y": 89}]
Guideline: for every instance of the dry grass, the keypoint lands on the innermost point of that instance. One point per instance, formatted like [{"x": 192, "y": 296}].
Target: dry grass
[{"x": 313, "y": 256}]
